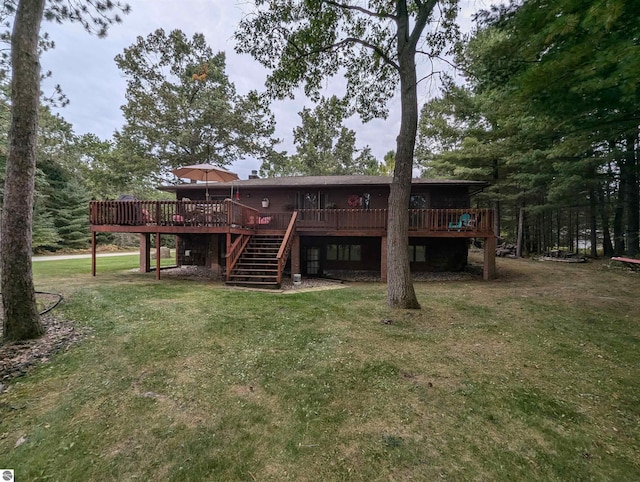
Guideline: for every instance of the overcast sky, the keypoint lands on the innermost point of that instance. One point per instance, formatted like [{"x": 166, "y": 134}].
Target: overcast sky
[{"x": 84, "y": 67}]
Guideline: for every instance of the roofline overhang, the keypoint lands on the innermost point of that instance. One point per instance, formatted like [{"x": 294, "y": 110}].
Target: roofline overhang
[{"x": 299, "y": 182}]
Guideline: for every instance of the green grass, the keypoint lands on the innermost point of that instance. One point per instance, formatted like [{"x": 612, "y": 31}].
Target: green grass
[{"x": 531, "y": 377}]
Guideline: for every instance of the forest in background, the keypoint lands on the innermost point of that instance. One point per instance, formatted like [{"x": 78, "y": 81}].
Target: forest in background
[{"x": 547, "y": 111}]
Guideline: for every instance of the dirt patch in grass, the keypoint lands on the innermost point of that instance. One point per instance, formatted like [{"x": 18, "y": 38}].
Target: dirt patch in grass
[{"x": 18, "y": 357}]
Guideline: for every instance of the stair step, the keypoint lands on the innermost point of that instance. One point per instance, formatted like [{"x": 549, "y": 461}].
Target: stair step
[
  {"x": 255, "y": 272},
  {"x": 257, "y": 258},
  {"x": 240, "y": 264},
  {"x": 253, "y": 277},
  {"x": 268, "y": 285},
  {"x": 258, "y": 265}
]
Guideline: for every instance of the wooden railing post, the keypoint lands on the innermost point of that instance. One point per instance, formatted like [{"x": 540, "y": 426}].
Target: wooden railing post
[
  {"x": 283, "y": 252},
  {"x": 93, "y": 253}
]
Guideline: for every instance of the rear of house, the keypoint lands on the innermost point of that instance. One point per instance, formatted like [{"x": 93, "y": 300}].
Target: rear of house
[{"x": 312, "y": 225}]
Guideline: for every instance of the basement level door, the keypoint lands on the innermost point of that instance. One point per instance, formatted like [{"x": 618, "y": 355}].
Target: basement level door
[{"x": 313, "y": 260}]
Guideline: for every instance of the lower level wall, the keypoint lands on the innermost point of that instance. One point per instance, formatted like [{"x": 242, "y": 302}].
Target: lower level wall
[
  {"x": 201, "y": 250},
  {"x": 325, "y": 254},
  {"x": 319, "y": 255},
  {"x": 438, "y": 254}
]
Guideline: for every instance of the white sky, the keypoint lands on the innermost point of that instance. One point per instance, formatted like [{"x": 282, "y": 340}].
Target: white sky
[{"x": 84, "y": 67}]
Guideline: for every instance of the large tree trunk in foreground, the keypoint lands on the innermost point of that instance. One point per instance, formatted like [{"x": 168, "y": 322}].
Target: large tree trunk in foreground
[
  {"x": 21, "y": 319},
  {"x": 400, "y": 291}
]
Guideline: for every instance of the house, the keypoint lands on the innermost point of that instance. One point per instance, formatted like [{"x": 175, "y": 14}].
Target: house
[{"x": 251, "y": 231}]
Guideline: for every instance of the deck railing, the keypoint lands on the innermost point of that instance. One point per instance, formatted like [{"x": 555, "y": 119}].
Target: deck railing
[
  {"x": 230, "y": 214},
  {"x": 342, "y": 219},
  {"x": 170, "y": 213},
  {"x": 285, "y": 246},
  {"x": 438, "y": 220}
]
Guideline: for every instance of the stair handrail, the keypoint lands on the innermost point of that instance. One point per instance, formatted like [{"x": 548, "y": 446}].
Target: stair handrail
[
  {"x": 285, "y": 246},
  {"x": 235, "y": 251}
]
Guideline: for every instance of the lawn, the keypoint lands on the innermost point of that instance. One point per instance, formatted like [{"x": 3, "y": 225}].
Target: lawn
[{"x": 530, "y": 377}]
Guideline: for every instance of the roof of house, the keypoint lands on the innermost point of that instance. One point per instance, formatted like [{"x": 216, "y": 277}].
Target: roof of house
[{"x": 318, "y": 181}]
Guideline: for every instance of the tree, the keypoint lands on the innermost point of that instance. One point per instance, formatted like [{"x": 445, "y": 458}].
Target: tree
[
  {"x": 21, "y": 318},
  {"x": 111, "y": 168},
  {"x": 550, "y": 111},
  {"x": 67, "y": 200},
  {"x": 304, "y": 42},
  {"x": 182, "y": 108},
  {"x": 324, "y": 146}
]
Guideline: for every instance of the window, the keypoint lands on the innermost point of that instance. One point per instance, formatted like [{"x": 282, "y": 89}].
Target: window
[
  {"x": 344, "y": 252},
  {"x": 417, "y": 253},
  {"x": 417, "y": 201}
]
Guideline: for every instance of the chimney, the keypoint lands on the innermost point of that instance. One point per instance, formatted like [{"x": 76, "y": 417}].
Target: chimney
[{"x": 254, "y": 174}]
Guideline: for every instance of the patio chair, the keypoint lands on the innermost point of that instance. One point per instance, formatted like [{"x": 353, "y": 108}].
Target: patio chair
[
  {"x": 463, "y": 222},
  {"x": 190, "y": 212}
]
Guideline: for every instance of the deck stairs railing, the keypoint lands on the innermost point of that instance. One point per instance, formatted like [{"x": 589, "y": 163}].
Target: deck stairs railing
[
  {"x": 263, "y": 259},
  {"x": 258, "y": 265}
]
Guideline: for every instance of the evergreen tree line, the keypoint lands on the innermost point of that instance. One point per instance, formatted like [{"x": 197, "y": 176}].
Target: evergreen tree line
[
  {"x": 71, "y": 170},
  {"x": 548, "y": 112}
]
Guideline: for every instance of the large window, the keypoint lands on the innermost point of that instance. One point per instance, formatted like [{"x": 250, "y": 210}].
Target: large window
[
  {"x": 344, "y": 252},
  {"x": 417, "y": 253}
]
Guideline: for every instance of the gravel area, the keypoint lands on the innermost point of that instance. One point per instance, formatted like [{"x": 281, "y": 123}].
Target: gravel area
[{"x": 332, "y": 278}]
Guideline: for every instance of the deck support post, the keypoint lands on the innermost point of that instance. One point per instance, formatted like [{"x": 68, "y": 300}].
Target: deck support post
[
  {"x": 145, "y": 252},
  {"x": 213, "y": 256},
  {"x": 158, "y": 256},
  {"x": 489, "y": 271},
  {"x": 295, "y": 255},
  {"x": 383, "y": 259},
  {"x": 93, "y": 253}
]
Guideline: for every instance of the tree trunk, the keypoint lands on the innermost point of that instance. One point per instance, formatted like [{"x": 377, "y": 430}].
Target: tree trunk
[
  {"x": 558, "y": 229},
  {"x": 593, "y": 221},
  {"x": 618, "y": 218},
  {"x": 520, "y": 233},
  {"x": 496, "y": 177},
  {"x": 607, "y": 245},
  {"x": 570, "y": 232},
  {"x": 633, "y": 196},
  {"x": 577, "y": 231},
  {"x": 21, "y": 319},
  {"x": 400, "y": 291}
]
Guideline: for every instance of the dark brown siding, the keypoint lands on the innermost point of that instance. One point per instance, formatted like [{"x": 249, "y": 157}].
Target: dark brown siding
[
  {"x": 441, "y": 254},
  {"x": 369, "y": 253}
]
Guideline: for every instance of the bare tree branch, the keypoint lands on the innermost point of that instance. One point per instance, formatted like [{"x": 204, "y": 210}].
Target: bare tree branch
[
  {"x": 349, "y": 41},
  {"x": 359, "y": 9}
]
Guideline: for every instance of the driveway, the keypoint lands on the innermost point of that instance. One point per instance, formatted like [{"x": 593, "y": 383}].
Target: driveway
[{"x": 56, "y": 257}]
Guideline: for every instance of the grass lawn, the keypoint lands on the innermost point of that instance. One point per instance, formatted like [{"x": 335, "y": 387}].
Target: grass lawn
[{"x": 533, "y": 376}]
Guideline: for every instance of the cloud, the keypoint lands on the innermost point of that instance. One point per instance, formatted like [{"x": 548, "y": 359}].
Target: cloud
[{"x": 84, "y": 67}]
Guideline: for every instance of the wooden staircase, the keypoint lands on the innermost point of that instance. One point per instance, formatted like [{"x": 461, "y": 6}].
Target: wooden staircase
[{"x": 258, "y": 264}]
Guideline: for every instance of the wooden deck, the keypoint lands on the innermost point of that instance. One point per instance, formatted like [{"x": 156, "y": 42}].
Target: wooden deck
[
  {"x": 240, "y": 223},
  {"x": 193, "y": 217}
]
